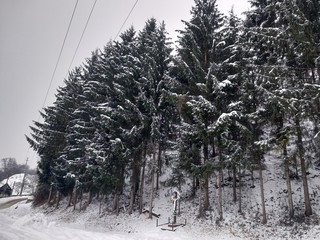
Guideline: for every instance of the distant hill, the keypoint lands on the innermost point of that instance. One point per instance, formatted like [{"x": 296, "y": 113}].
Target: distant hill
[{"x": 15, "y": 182}]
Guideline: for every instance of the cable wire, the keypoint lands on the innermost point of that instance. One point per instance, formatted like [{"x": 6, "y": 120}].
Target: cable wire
[
  {"x": 66, "y": 35},
  {"x": 126, "y": 19},
  {"x": 75, "y": 53},
  {"x": 62, "y": 47},
  {"x": 88, "y": 19},
  {"x": 55, "y": 68}
]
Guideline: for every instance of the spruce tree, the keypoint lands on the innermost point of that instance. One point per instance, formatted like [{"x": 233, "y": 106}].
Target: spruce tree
[
  {"x": 49, "y": 138},
  {"x": 198, "y": 57},
  {"x": 154, "y": 52}
]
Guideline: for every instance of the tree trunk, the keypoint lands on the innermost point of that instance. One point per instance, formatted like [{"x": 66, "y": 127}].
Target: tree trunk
[
  {"x": 200, "y": 203},
  {"x": 193, "y": 191},
  {"x": 75, "y": 199},
  {"x": 100, "y": 205},
  {"x": 70, "y": 198},
  {"x": 122, "y": 180},
  {"x": 288, "y": 182},
  {"x": 81, "y": 197},
  {"x": 220, "y": 181},
  {"x": 98, "y": 195},
  {"x": 151, "y": 194},
  {"x": 50, "y": 194},
  {"x": 252, "y": 177},
  {"x": 159, "y": 169},
  {"x": 307, "y": 204},
  {"x": 240, "y": 192},
  {"x": 234, "y": 183},
  {"x": 284, "y": 142},
  {"x": 220, "y": 209},
  {"x": 58, "y": 199},
  {"x": 134, "y": 181},
  {"x": 295, "y": 161},
  {"x": 141, "y": 188},
  {"x": 90, "y": 196},
  {"x": 142, "y": 181},
  {"x": 152, "y": 179},
  {"x": 116, "y": 205},
  {"x": 263, "y": 204},
  {"x": 119, "y": 191},
  {"x": 206, "y": 203}
]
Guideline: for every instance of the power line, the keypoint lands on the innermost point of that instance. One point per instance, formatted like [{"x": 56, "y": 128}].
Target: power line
[
  {"x": 55, "y": 68},
  {"x": 88, "y": 19},
  {"x": 126, "y": 19},
  {"x": 57, "y": 63}
]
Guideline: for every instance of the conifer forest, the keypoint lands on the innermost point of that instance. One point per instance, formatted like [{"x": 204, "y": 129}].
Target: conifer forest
[{"x": 205, "y": 111}]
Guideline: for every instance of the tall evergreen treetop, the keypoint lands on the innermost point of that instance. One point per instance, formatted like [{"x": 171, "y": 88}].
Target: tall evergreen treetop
[{"x": 198, "y": 43}]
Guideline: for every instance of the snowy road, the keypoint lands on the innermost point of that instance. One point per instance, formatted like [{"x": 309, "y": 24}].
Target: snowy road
[
  {"x": 17, "y": 230},
  {"x": 20, "y": 229},
  {"x": 11, "y": 202},
  {"x": 21, "y": 222}
]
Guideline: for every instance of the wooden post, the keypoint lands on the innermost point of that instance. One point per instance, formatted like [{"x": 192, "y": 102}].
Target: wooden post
[
  {"x": 24, "y": 176},
  {"x": 175, "y": 199}
]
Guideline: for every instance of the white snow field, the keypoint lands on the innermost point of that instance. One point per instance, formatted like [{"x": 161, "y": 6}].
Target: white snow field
[{"x": 22, "y": 222}]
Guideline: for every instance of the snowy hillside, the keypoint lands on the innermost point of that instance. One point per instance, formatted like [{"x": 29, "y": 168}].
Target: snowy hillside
[
  {"x": 95, "y": 223},
  {"x": 15, "y": 182},
  {"x": 231, "y": 120}
]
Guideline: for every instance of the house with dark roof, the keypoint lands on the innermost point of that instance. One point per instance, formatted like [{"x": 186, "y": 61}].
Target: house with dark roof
[{"x": 5, "y": 190}]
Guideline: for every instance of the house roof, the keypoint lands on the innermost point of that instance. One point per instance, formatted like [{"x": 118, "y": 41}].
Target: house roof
[{"x": 5, "y": 186}]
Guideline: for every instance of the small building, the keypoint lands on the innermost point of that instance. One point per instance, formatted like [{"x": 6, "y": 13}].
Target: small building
[{"x": 5, "y": 190}]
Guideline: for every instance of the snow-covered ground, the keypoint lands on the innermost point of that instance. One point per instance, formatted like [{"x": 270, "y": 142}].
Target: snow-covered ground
[{"x": 21, "y": 221}]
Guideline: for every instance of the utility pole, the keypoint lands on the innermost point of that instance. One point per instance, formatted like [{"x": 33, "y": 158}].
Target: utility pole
[
  {"x": 24, "y": 176},
  {"x": 5, "y": 168}
]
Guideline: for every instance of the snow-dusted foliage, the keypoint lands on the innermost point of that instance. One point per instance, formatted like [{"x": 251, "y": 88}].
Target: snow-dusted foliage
[{"x": 234, "y": 92}]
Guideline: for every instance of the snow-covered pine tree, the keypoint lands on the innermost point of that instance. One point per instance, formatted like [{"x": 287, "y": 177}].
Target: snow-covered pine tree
[
  {"x": 274, "y": 75},
  {"x": 284, "y": 35},
  {"x": 154, "y": 54},
  {"x": 302, "y": 33},
  {"x": 106, "y": 153},
  {"x": 131, "y": 113},
  {"x": 233, "y": 132},
  {"x": 125, "y": 120},
  {"x": 198, "y": 55},
  {"x": 81, "y": 129},
  {"x": 258, "y": 40},
  {"x": 49, "y": 138}
]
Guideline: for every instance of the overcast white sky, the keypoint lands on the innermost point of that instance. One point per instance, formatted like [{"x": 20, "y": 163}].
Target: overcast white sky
[{"x": 31, "y": 36}]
